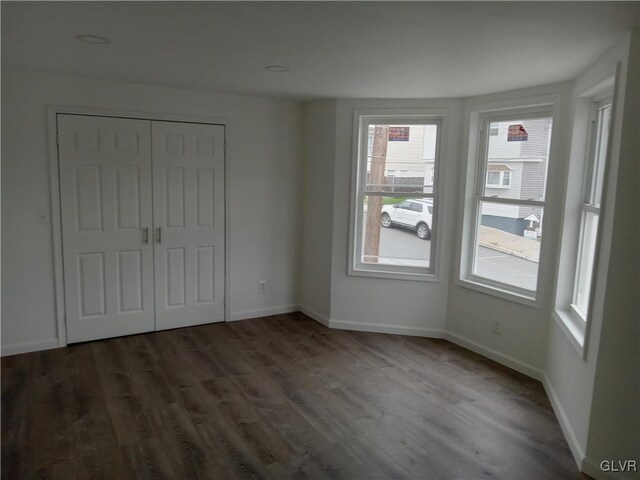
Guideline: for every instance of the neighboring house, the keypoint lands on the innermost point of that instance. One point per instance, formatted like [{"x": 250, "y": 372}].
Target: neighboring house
[
  {"x": 410, "y": 161},
  {"x": 516, "y": 169}
]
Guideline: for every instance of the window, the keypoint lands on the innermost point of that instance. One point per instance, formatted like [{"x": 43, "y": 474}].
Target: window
[
  {"x": 498, "y": 176},
  {"x": 395, "y": 197},
  {"x": 590, "y": 215},
  {"x": 504, "y": 228}
]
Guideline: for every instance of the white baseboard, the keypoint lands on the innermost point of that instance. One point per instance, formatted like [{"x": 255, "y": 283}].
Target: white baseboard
[
  {"x": 501, "y": 358},
  {"x": 263, "y": 312},
  {"x": 27, "y": 347},
  {"x": 318, "y": 317},
  {"x": 386, "y": 328},
  {"x": 565, "y": 424}
]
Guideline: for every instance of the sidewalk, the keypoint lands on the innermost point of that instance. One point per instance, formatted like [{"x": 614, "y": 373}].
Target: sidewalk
[{"x": 509, "y": 243}]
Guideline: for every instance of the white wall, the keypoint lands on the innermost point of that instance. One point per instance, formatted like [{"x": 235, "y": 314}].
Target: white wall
[
  {"x": 387, "y": 305},
  {"x": 471, "y": 314},
  {"x": 614, "y": 428},
  {"x": 569, "y": 377},
  {"x": 317, "y": 187},
  {"x": 264, "y": 166}
]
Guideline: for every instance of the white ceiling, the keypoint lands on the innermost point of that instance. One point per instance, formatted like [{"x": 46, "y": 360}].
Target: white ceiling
[{"x": 334, "y": 49}]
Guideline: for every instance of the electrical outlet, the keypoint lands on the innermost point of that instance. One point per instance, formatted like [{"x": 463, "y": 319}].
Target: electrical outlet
[
  {"x": 262, "y": 286},
  {"x": 496, "y": 329}
]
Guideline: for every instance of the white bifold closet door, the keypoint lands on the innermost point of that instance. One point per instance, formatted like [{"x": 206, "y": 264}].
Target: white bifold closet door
[
  {"x": 188, "y": 211},
  {"x": 142, "y": 206},
  {"x": 105, "y": 194}
]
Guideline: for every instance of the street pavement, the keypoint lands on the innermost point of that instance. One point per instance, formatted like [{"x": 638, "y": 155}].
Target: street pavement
[{"x": 493, "y": 260}]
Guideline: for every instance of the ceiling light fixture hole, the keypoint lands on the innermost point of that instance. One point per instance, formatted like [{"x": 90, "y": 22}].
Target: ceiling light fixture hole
[{"x": 93, "y": 39}]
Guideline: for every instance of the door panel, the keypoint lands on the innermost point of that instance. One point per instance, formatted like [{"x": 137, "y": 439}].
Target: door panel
[
  {"x": 188, "y": 180},
  {"x": 105, "y": 194}
]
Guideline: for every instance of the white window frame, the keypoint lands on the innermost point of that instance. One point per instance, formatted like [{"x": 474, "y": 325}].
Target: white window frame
[
  {"x": 573, "y": 323},
  {"x": 589, "y": 205},
  {"x": 362, "y": 120},
  {"x": 476, "y": 183}
]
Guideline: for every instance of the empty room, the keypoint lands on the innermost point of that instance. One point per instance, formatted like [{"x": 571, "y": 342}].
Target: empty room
[{"x": 320, "y": 240}]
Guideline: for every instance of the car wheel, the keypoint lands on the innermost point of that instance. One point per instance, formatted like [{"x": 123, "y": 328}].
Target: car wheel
[
  {"x": 386, "y": 220},
  {"x": 423, "y": 231}
]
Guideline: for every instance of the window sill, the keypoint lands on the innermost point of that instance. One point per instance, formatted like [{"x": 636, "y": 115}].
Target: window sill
[
  {"x": 496, "y": 291},
  {"x": 573, "y": 327},
  {"x": 394, "y": 275}
]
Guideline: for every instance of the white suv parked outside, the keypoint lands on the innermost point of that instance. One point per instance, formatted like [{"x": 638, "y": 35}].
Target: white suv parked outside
[{"x": 410, "y": 213}]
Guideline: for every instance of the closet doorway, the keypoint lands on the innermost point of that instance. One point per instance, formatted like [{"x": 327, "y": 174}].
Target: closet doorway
[{"x": 142, "y": 209}]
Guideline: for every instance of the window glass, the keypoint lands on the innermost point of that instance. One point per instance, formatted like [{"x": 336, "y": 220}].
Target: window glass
[
  {"x": 517, "y": 157},
  {"x": 507, "y": 246},
  {"x": 604, "y": 117},
  {"x": 406, "y": 150},
  {"x": 493, "y": 178},
  {"x": 395, "y": 196},
  {"x": 394, "y": 234},
  {"x": 503, "y": 250},
  {"x": 590, "y": 219},
  {"x": 585, "y": 261}
]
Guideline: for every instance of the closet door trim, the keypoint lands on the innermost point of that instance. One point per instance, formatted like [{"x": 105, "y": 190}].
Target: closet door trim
[{"x": 52, "y": 112}]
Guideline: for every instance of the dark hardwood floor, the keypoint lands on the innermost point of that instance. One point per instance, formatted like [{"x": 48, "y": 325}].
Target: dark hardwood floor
[{"x": 279, "y": 397}]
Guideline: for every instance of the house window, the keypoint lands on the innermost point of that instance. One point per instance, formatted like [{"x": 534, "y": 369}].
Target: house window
[
  {"x": 498, "y": 176},
  {"x": 494, "y": 131},
  {"x": 395, "y": 217},
  {"x": 590, "y": 215},
  {"x": 502, "y": 243}
]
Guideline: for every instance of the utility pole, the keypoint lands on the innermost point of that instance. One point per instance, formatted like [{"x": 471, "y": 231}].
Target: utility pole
[{"x": 374, "y": 204}]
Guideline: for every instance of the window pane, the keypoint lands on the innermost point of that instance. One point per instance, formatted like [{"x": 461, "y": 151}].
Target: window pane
[
  {"x": 396, "y": 231},
  {"x": 519, "y": 152},
  {"x": 507, "y": 246},
  {"x": 401, "y": 158},
  {"x": 604, "y": 117},
  {"x": 586, "y": 260},
  {"x": 493, "y": 178}
]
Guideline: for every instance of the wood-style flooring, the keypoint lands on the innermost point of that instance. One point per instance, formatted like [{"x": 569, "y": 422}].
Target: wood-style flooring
[{"x": 279, "y": 397}]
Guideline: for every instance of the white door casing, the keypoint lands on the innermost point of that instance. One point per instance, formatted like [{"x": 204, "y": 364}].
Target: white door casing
[
  {"x": 105, "y": 196},
  {"x": 188, "y": 211}
]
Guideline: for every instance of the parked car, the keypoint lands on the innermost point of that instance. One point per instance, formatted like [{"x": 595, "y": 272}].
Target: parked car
[{"x": 411, "y": 213}]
